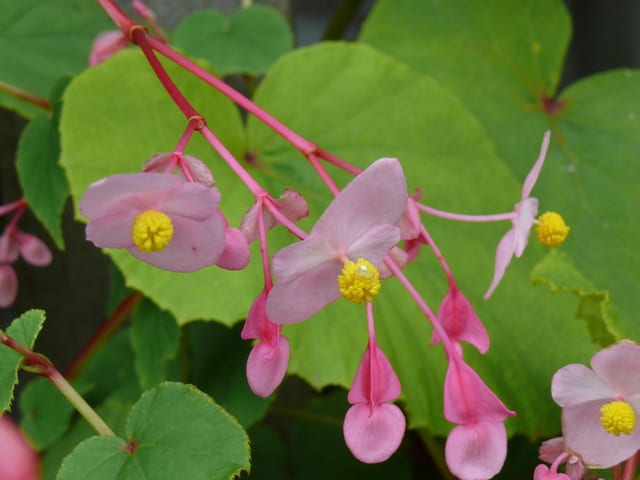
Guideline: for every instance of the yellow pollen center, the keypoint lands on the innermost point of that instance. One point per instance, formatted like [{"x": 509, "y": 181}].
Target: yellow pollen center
[
  {"x": 551, "y": 229},
  {"x": 151, "y": 231},
  {"x": 618, "y": 417},
  {"x": 359, "y": 281}
]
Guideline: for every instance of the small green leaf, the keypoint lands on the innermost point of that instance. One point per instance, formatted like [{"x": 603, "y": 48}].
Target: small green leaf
[
  {"x": 173, "y": 431},
  {"x": 23, "y": 330},
  {"x": 155, "y": 338},
  {"x": 247, "y": 42},
  {"x": 559, "y": 274}
]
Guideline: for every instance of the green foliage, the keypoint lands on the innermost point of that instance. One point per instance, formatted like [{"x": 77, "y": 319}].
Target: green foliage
[
  {"x": 248, "y": 41},
  {"x": 43, "y": 40},
  {"x": 201, "y": 441},
  {"x": 23, "y": 330}
]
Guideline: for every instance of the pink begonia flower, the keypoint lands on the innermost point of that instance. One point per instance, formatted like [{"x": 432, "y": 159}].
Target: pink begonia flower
[
  {"x": 18, "y": 460},
  {"x": 291, "y": 204},
  {"x": 373, "y": 427},
  {"x": 542, "y": 472},
  {"x": 196, "y": 235},
  {"x": 613, "y": 380},
  {"x": 477, "y": 447},
  {"x": 105, "y": 45},
  {"x": 460, "y": 322},
  {"x": 268, "y": 360},
  {"x": 196, "y": 168},
  {"x": 359, "y": 223},
  {"x": 552, "y": 449},
  {"x": 516, "y": 239}
]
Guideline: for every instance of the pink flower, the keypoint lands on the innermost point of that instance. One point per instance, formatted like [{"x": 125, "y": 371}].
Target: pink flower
[
  {"x": 516, "y": 239},
  {"x": 291, "y": 204},
  {"x": 107, "y": 44},
  {"x": 373, "y": 427},
  {"x": 359, "y": 223},
  {"x": 160, "y": 219},
  {"x": 8, "y": 285},
  {"x": 477, "y": 447},
  {"x": 268, "y": 360},
  {"x": 554, "y": 451},
  {"x": 600, "y": 405},
  {"x": 460, "y": 322},
  {"x": 192, "y": 168},
  {"x": 542, "y": 472},
  {"x": 18, "y": 461}
]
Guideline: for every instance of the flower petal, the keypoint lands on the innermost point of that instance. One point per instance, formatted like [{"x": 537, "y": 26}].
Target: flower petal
[
  {"x": 476, "y": 451},
  {"x": 375, "y": 197},
  {"x": 9, "y": 250},
  {"x": 374, "y": 244},
  {"x": 504, "y": 254},
  {"x": 267, "y": 365},
  {"x": 112, "y": 231},
  {"x": 532, "y": 177},
  {"x": 585, "y": 436},
  {"x": 105, "y": 45},
  {"x": 375, "y": 380},
  {"x": 33, "y": 250},
  {"x": 18, "y": 460},
  {"x": 576, "y": 384},
  {"x": 195, "y": 245},
  {"x": 542, "y": 472},
  {"x": 8, "y": 285},
  {"x": 619, "y": 366},
  {"x": 302, "y": 257},
  {"x": 298, "y": 299},
  {"x": 526, "y": 210},
  {"x": 235, "y": 255},
  {"x": 373, "y": 434}
]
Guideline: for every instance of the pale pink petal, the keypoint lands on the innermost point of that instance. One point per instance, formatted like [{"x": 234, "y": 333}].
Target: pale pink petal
[
  {"x": 33, "y": 250},
  {"x": 373, "y": 434},
  {"x": 9, "y": 250},
  {"x": 460, "y": 322},
  {"x": 159, "y": 162},
  {"x": 467, "y": 399},
  {"x": 291, "y": 204},
  {"x": 191, "y": 200},
  {"x": 298, "y": 299},
  {"x": 410, "y": 224},
  {"x": 249, "y": 222},
  {"x": 542, "y": 472},
  {"x": 574, "y": 468},
  {"x": 235, "y": 255},
  {"x": 301, "y": 257},
  {"x": 526, "y": 211},
  {"x": 476, "y": 451},
  {"x": 530, "y": 181},
  {"x": 504, "y": 254},
  {"x": 267, "y": 365},
  {"x": 18, "y": 460},
  {"x": 199, "y": 170},
  {"x": 375, "y": 380},
  {"x": 399, "y": 257},
  {"x": 576, "y": 384},
  {"x": 551, "y": 449},
  {"x": 8, "y": 285},
  {"x": 195, "y": 245},
  {"x": 112, "y": 231},
  {"x": 585, "y": 436},
  {"x": 140, "y": 191},
  {"x": 374, "y": 244},
  {"x": 375, "y": 197},
  {"x": 105, "y": 45},
  {"x": 619, "y": 366}
]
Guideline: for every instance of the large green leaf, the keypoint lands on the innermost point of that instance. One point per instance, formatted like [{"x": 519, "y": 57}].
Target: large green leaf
[
  {"x": 173, "y": 431},
  {"x": 508, "y": 78},
  {"x": 248, "y": 41},
  {"x": 41, "y": 40},
  {"x": 362, "y": 105},
  {"x": 23, "y": 330},
  {"x": 115, "y": 117}
]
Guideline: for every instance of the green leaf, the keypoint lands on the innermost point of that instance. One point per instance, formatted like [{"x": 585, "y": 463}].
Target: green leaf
[
  {"x": 248, "y": 41},
  {"x": 557, "y": 272},
  {"x": 155, "y": 338},
  {"x": 503, "y": 76},
  {"x": 42, "y": 179},
  {"x": 173, "y": 431},
  {"x": 116, "y": 131},
  {"x": 362, "y": 105},
  {"x": 23, "y": 330},
  {"x": 42, "y": 40}
]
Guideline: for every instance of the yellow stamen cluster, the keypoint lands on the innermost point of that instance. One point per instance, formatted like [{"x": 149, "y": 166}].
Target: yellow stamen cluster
[
  {"x": 618, "y": 417},
  {"x": 551, "y": 229},
  {"x": 359, "y": 282},
  {"x": 151, "y": 231}
]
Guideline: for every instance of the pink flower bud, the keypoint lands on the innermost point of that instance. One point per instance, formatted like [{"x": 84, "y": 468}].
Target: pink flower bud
[
  {"x": 8, "y": 286},
  {"x": 18, "y": 461},
  {"x": 33, "y": 250},
  {"x": 107, "y": 44},
  {"x": 8, "y": 248}
]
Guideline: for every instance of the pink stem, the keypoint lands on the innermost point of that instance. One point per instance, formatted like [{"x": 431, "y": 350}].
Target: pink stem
[
  {"x": 4, "y": 209},
  {"x": 438, "y": 254},
  {"x": 264, "y": 248},
  {"x": 326, "y": 178},
  {"x": 333, "y": 160},
  {"x": 499, "y": 217},
  {"x": 288, "y": 224}
]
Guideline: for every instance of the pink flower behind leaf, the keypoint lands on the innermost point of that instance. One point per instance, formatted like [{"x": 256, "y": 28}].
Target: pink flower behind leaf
[
  {"x": 373, "y": 427},
  {"x": 359, "y": 223},
  {"x": 515, "y": 240},
  {"x": 160, "y": 219},
  {"x": 18, "y": 461},
  {"x": 268, "y": 360},
  {"x": 600, "y": 405},
  {"x": 107, "y": 44}
]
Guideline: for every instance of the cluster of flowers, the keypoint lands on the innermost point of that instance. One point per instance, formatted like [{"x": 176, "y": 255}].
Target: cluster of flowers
[
  {"x": 15, "y": 243},
  {"x": 599, "y": 406}
]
